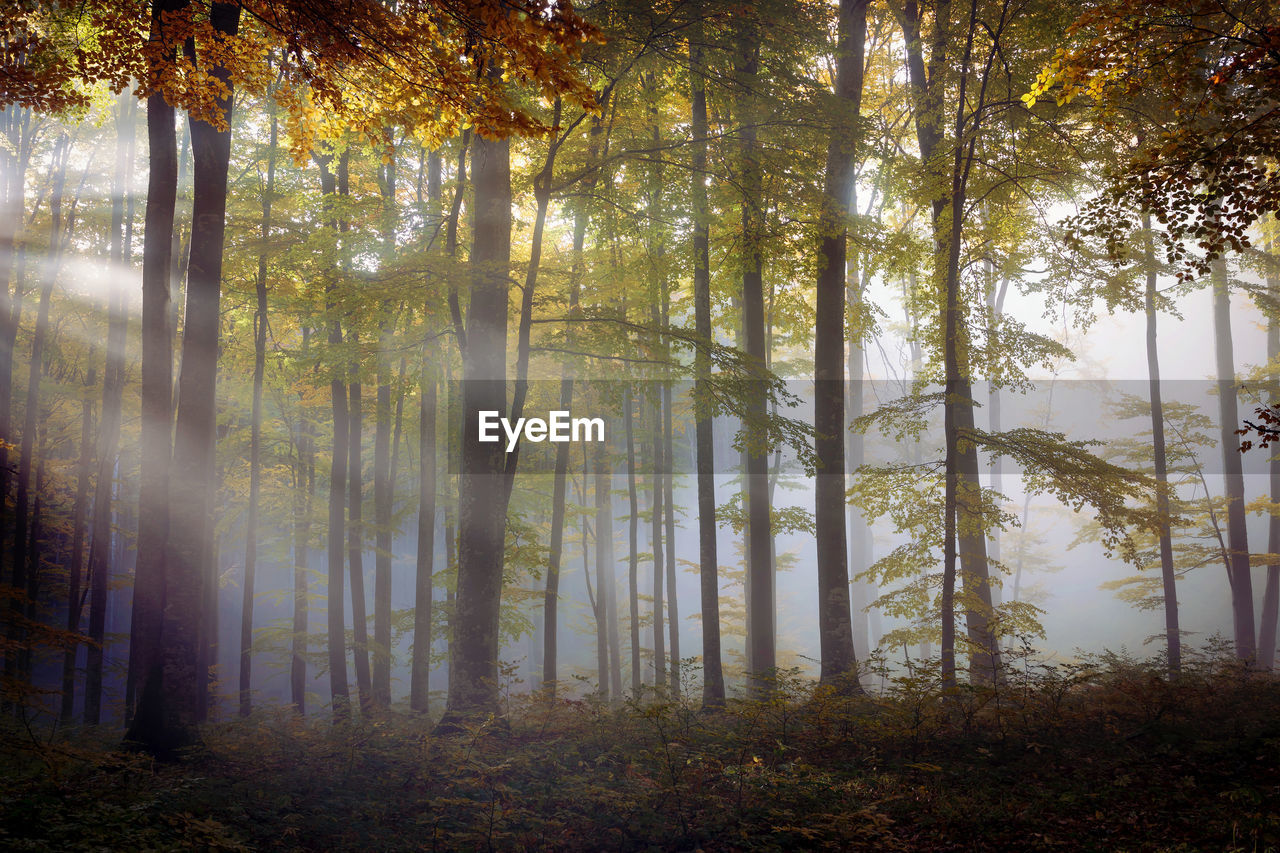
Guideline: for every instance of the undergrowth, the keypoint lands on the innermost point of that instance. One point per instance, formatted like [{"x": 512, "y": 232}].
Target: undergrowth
[{"x": 1104, "y": 754}]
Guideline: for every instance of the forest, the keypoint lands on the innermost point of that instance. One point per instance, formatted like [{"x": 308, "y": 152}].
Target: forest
[{"x": 669, "y": 425}]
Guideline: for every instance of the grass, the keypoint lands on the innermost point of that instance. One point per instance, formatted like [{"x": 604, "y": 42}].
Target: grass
[{"x": 1102, "y": 755}]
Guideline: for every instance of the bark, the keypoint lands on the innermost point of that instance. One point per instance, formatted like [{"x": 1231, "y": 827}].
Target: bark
[
  {"x": 655, "y": 542},
  {"x": 24, "y": 576},
  {"x": 304, "y": 488},
  {"x": 1271, "y": 593},
  {"x": 383, "y": 482},
  {"x": 1173, "y": 637},
  {"x": 355, "y": 544},
  {"x": 157, "y": 414},
  {"x": 551, "y": 601},
  {"x": 962, "y": 494},
  {"x": 604, "y": 559},
  {"x": 175, "y": 696},
  {"x": 419, "y": 686},
  {"x": 74, "y": 598},
  {"x": 15, "y": 156},
  {"x": 1238, "y": 574},
  {"x": 633, "y": 556},
  {"x": 336, "y": 532},
  {"x": 835, "y": 629},
  {"x": 708, "y": 568},
  {"x": 482, "y": 505},
  {"x": 255, "y": 430},
  {"x": 760, "y": 611}
]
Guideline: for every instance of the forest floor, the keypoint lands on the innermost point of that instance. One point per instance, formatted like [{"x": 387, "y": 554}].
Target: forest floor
[{"x": 1099, "y": 755}]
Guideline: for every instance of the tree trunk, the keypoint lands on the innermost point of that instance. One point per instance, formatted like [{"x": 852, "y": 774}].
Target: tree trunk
[
  {"x": 157, "y": 411},
  {"x": 482, "y": 505},
  {"x": 157, "y": 416},
  {"x": 419, "y": 686},
  {"x": 1271, "y": 593},
  {"x": 633, "y": 535},
  {"x": 23, "y": 576},
  {"x": 74, "y": 597},
  {"x": 255, "y": 431},
  {"x": 760, "y": 615},
  {"x": 604, "y": 560},
  {"x": 15, "y": 158},
  {"x": 708, "y": 567},
  {"x": 336, "y": 532},
  {"x": 176, "y": 704},
  {"x": 655, "y": 542},
  {"x": 304, "y": 489},
  {"x": 839, "y": 660},
  {"x": 1173, "y": 637},
  {"x": 355, "y": 543},
  {"x": 383, "y": 482},
  {"x": 551, "y": 601},
  {"x": 1228, "y": 418}
]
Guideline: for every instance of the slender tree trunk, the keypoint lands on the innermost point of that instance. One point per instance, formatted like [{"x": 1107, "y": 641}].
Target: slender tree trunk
[
  {"x": 655, "y": 542},
  {"x": 760, "y": 615},
  {"x": 604, "y": 559},
  {"x": 633, "y": 535},
  {"x": 1271, "y": 593},
  {"x": 336, "y": 532},
  {"x": 304, "y": 489},
  {"x": 1173, "y": 637},
  {"x": 23, "y": 550},
  {"x": 255, "y": 431},
  {"x": 113, "y": 379},
  {"x": 667, "y": 501},
  {"x": 419, "y": 687},
  {"x": 708, "y": 567},
  {"x": 15, "y": 158},
  {"x": 74, "y": 598},
  {"x": 355, "y": 543},
  {"x": 606, "y": 572},
  {"x": 551, "y": 601},
  {"x": 1228, "y": 418},
  {"x": 839, "y": 659},
  {"x": 383, "y": 481},
  {"x": 482, "y": 505}
]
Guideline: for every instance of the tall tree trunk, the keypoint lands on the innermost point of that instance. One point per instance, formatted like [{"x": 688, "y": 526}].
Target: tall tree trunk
[
  {"x": 708, "y": 567},
  {"x": 113, "y": 378},
  {"x": 839, "y": 659},
  {"x": 336, "y": 532},
  {"x": 419, "y": 686},
  {"x": 482, "y": 504},
  {"x": 551, "y": 601},
  {"x": 383, "y": 482},
  {"x": 655, "y": 542},
  {"x": 1228, "y": 417},
  {"x": 15, "y": 157},
  {"x": 74, "y": 597},
  {"x": 962, "y": 513},
  {"x": 23, "y": 551},
  {"x": 1173, "y": 637},
  {"x": 355, "y": 542},
  {"x": 604, "y": 560},
  {"x": 633, "y": 535},
  {"x": 304, "y": 488},
  {"x": 760, "y": 615},
  {"x": 176, "y": 703},
  {"x": 1271, "y": 593},
  {"x": 255, "y": 430},
  {"x": 668, "y": 501}
]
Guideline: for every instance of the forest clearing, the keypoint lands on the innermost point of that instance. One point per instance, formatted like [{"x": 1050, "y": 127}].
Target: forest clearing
[{"x": 477, "y": 425}]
